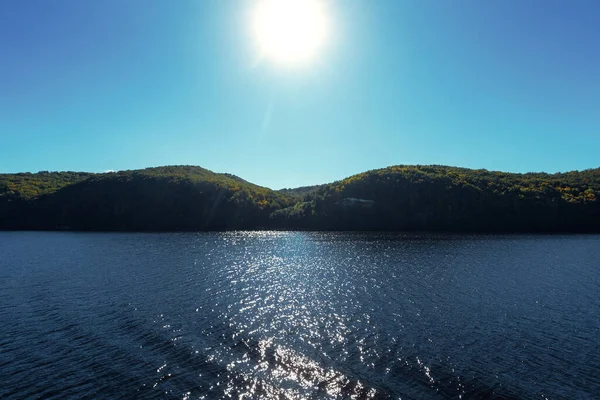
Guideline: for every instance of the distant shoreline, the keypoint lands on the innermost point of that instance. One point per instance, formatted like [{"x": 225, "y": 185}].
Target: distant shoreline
[{"x": 433, "y": 199}]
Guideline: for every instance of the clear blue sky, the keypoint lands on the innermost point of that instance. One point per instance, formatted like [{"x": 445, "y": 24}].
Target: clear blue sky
[{"x": 507, "y": 85}]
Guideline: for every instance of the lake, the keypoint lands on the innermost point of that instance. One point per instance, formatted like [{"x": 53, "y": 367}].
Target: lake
[{"x": 295, "y": 315}]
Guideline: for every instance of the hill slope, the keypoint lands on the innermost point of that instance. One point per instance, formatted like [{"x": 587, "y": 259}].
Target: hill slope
[
  {"x": 427, "y": 198},
  {"x": 452, "y": 199},
  {"x": 163, "y": 198}
]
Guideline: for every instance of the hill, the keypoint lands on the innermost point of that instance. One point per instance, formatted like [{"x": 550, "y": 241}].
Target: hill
[
  {"x": 425, "y": 198},
  {"x": 301, "y": 192},
  {"x": 163, "y": 198},
  {"x": 440, "y": 198}
]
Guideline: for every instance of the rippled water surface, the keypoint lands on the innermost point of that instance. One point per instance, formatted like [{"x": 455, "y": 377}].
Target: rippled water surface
[{"x": 279, "y": 315}]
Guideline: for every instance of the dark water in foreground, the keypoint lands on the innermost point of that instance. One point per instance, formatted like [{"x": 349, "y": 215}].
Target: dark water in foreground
[{"x": 298, "y": 315}]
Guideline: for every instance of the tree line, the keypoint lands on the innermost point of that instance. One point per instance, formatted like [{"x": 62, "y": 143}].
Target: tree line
[{"x": 405, "y": 197}]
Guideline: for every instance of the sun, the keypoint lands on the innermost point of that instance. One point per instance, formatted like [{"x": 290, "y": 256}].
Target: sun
[{"x": 290, "y": 32}]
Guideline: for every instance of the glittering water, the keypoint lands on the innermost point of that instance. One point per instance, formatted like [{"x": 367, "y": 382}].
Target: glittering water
[{"x": 277, "y": 315}]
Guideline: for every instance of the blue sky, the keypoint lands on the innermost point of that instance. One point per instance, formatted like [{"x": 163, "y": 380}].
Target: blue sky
[{"x": 506, "y": 85}]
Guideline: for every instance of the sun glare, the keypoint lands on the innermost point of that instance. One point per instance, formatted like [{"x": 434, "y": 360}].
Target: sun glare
[{"x": 290, "y": 31}]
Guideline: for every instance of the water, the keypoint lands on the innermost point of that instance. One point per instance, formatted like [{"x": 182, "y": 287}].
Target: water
[{"x": 279, "y": 315}]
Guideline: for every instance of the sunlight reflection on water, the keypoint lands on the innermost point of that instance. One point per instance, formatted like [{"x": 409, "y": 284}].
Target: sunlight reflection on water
[{"x": 271, "y": 315}]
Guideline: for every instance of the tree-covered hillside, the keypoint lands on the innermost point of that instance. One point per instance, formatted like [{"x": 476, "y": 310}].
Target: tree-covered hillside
[
  {"x": 164, "y": 198},
  {"x": 302, "y": 191},
  {"x": 28, "y": 185},
  {"x": 452, "y": 199},
  {"x": 426, "y": 198}
]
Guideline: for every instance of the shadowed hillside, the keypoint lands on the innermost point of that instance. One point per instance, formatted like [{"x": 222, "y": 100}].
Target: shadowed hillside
[
  {"x": 425, "y": 198},
  {"x": 164, "y": 198},
  {"x": 452, "y": 199}
]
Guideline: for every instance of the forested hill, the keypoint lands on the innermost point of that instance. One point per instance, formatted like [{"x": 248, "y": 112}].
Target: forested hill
[
  {"x": 439, "y": 198},
  {"x": 424, "y": 198},
  {"x": 157, "y": 199}
]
